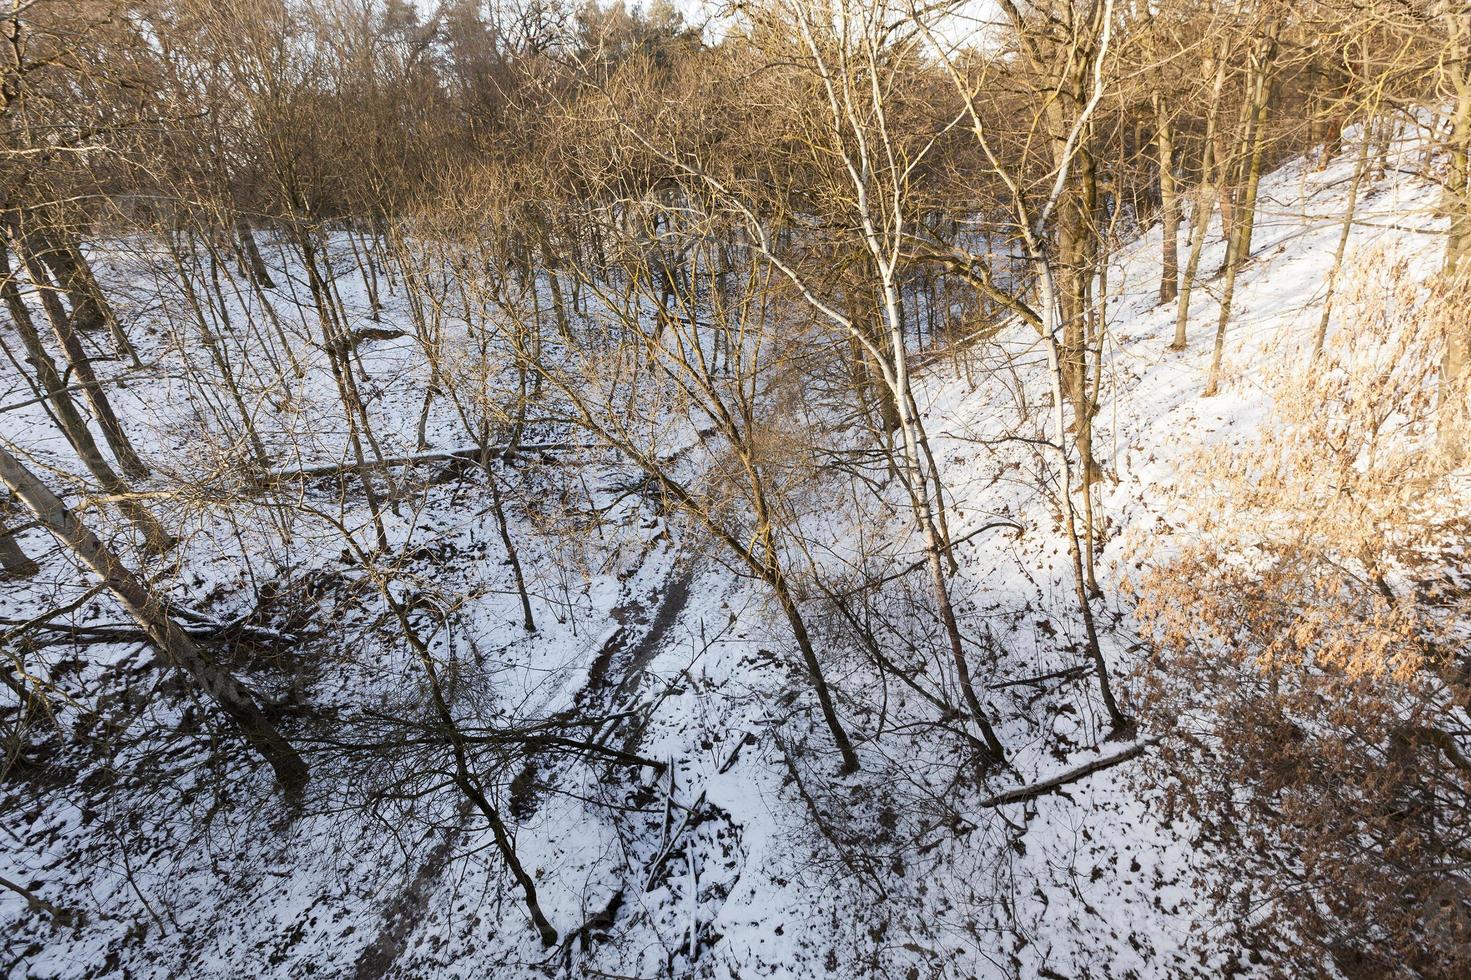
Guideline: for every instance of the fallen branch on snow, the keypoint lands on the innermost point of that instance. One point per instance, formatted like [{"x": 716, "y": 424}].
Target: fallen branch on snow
[
  {"x": 1069, "y": 673},
  {"x": 61, "y": 916},
  {"x": 83, "y": 635},
  {"x": 1023, "y": 793}
]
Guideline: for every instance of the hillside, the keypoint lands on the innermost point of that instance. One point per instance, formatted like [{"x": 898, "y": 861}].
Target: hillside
[{"x": 743, "y": 855}]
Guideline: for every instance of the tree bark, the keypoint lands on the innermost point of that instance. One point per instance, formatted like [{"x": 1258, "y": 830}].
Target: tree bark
[
  {"x": 466, "y": 779},
  {"x": 512, "y": 557},
  {"x": 1200, "y": 212},
  {"x": 1238, "y": 246},
  {"x": 255, "y": 265},
  {"x": 1169, "y": 200},
  {"x": 1454, "y": 412},
  {"x": 90, "y": 307},
  {"x": 14, "y": 563},
  {"x": 1361, "y": 167},
  {"x": 911, "y": 428},
  {"x": 339, "y": 358}
]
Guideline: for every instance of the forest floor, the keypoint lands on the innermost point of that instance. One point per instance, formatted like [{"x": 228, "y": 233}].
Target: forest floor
[{"x": 745, "y": 856}]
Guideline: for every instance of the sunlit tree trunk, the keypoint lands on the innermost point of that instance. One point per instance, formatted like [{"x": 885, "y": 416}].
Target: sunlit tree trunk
[
  {"x": 1169, "y": 200},
  {"x": 1238, "y": 246},
  {"x": 1201, "y": 209}
]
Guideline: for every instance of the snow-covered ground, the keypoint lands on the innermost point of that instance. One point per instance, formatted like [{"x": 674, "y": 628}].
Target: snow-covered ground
[{"x": 746, "y": 856}]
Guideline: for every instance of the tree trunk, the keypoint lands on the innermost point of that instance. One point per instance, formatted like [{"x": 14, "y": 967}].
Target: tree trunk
[
  {"x": 14, "y": 563},
  {"x": 1457, "y": 191},
  {"x": 1169, "y": 201},
  {"x": 1454, "y": 412},
  {"x": 90, "y": 308},
  {"x": 814, "y": 671},
  {"x": 1361, "y": 167},
  {"x": 1200, "y": 219},
  {"x": 1238, "y": 246},
  {"x": 150, "y": 613},
  {"x": 935, "y": 547},
  {"x": 1200, "y": 213},
  {"x": 512, "y": 557},
  {"x": 1095, "y": 651},
  {"x": 554, "y": 280},
  {"x": 155, "y": 538},
  {"x": 1077, "y": 253},
  {"x": 465, "y": 777},
  {"x": 255, "y": 266},
  {"x": 339, "y": 358},
  {"x": 1261, "y": 111},
  {"x": 873, "y": 389},
  {"x": 216, "y": 350}
]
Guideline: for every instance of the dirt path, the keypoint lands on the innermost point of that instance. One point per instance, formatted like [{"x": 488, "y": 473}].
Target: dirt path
[{"x": 675, "y": 598}]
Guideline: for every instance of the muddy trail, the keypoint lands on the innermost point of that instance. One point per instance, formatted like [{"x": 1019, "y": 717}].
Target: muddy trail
[{"x": 613, "y": 681}]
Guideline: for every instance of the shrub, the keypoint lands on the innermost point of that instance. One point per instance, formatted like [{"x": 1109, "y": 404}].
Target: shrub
[{"x": 1310, "y": 652}]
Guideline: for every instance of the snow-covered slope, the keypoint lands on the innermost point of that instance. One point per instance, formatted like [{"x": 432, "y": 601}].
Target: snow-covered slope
[
  {"x": 1107, "y": 892},
  {"x": 744, "y": 857}
]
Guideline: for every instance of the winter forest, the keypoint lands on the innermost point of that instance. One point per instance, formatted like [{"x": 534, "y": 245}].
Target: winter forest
[{"x": 786, "y": 488}]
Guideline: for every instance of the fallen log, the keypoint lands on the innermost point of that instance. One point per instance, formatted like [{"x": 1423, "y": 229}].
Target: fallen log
[
  {"x": 123, "y": 633},
  {"x": 1070, "y": 673},
  {"x": 467, "y": 454}
]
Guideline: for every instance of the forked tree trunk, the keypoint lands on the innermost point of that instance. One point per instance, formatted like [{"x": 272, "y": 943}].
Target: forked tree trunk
[
  {"x": 150, "y": 613},
  {"x": 64, "y": 328},
  {"x": 73, "y": 426},
  {"x": 339, "y": 357},
  {"x": 90, "y": 307},
  {"x": 936, "y": 547}
]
